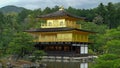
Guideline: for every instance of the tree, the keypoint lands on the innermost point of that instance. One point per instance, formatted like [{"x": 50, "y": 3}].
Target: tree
[
  {"x": 108, "y": 42},
  {"x": 98, "y": 20},
  {"x": 113, "y": 47},
  {"x": 93, "y": 27},
  {"x": 36, "y": 12},
  {"x": 117, "y": 17},
  {"x": 1, "y": 23},
  {"x": 47, "y": 10},
  {"x": 72, "y": 10},
  {"x": 5, "y": 33},
  {"x": 7, "y": 37},
  {"x": 112, "y": 44},
  {"x": 111, "y": 15},
  {"x": 22, "y": 15},
  {"x": 107, "y": 61},
  {"x": 101, "y": 10},
  {"x": 30, "y": 22},
  {"x": 56, "y": 8},
  {"x": 21, "y": 45},
  {"x": 37, "y": 55},
  {"x": 96, "y": 38}
]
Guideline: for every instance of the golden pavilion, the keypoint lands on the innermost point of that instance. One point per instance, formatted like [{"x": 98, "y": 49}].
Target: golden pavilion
[{"x": 61, "y": 35}]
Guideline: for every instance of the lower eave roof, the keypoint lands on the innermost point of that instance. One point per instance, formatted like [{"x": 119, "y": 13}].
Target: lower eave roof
[{"x": 56, "y": 30}]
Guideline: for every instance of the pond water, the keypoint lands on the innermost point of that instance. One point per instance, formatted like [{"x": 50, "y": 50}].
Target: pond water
[{"x": 66, "y": 65}]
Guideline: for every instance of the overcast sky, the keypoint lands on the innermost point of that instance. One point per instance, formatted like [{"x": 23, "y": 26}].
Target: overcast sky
[{"x": 34, "y": 4}]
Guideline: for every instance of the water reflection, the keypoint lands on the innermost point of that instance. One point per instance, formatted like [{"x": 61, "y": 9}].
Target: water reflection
[
  {"x": 66, "y": 65},
  {"x": 83, "y": 65}
]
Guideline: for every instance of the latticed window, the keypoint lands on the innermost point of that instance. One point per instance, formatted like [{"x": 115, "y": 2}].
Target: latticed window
[
  {"x": 49, "y": 23},
  {"x": 66, "y": 48},
  {"x": 61, "y": 23}
]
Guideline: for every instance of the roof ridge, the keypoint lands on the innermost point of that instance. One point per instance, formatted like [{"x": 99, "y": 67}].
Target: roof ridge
[{"x": 59, "y": 13}]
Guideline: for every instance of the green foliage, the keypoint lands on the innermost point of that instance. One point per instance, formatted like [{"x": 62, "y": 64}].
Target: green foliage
[
  {"x": 87, "y": 13},
  {"x": 21, "y": 45},
  {"x": 37, "y": 55},
  {"x": 108, "y": 41},
  {"x": 1, "y": 21},
  {"x": 117, "y": 63},
  {"x": 113, "y": 46},
  {"x": 107, "y": 61},
  {"x": 10, "y": 9},
  {"x": 90, "y": 51},
  {"x": 47, "y": 10},
  {"x": 109, "y": 14},
  {"x": 93, "y": 27},
  {"x": 56, "y": 8},
  {"x": 22, "y": 15},
  {"x": 98, "y": 20},
  {"x": 117, "y": 5},
  {"x": 104, "y": 64},
  {"x": 6, "y": 32},
  {"x": 112, "y": 38},
  {"x": 98, "y": 38},
  {"x": 109, "y": 44},
  {"x": 14, "y": 41},
  {"x": 103, "y": 14},
  {"x": 108, "y": 57}
]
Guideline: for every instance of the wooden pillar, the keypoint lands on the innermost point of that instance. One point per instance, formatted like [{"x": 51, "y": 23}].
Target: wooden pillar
[
  {"x": 71, "y": 49},
  {"x": 62, "y": 48},
  {"x": 78, "y": 48}
]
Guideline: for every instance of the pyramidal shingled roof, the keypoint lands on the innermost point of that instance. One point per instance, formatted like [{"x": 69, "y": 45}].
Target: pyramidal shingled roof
[{"x": 60, "y": 13}]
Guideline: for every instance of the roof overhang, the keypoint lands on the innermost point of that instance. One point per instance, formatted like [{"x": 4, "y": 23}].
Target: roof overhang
[
  {"x": 58, "y": 30},
  {"x": 60, "y": 14}
]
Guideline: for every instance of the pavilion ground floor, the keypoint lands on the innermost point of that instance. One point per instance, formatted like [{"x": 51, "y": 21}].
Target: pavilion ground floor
[{"x": 63, "y": 48}]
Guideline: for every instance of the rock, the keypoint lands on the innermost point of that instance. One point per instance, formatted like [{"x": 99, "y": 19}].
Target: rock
[
  {"x": 25, "y": 66},
  {"x": 9, "y": 65},
  {"x": 33, "y": 65},
  {"x": 36, "y": 65},
  {"x": 43, "y": 65},
  {"x": 1, "y": 65}
]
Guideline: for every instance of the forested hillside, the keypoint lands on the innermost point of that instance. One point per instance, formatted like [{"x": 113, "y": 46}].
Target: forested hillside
[
  {"x": 11, "y": 9},
  {"x": 104, "y": 19}
]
